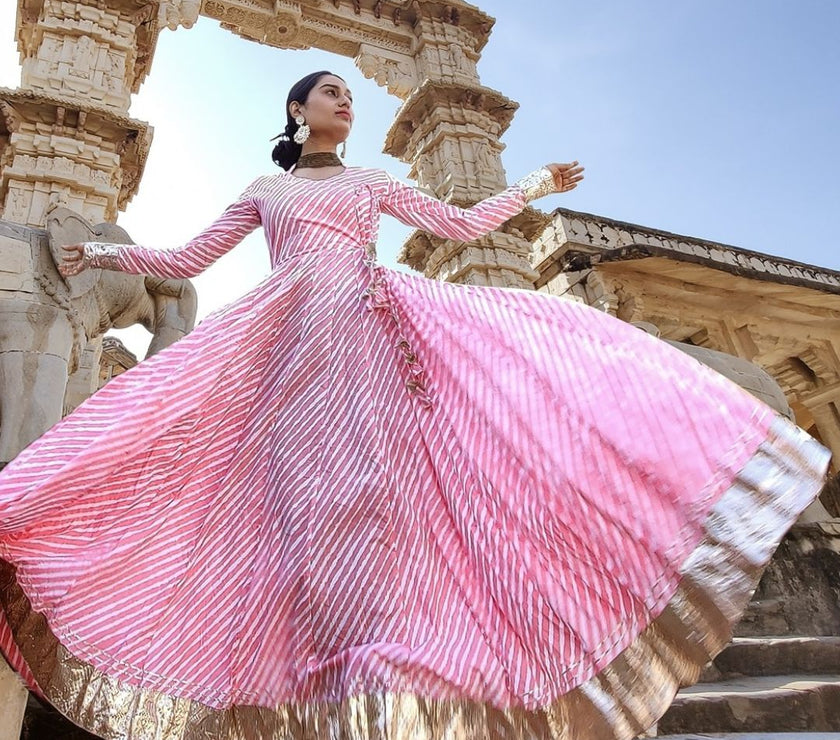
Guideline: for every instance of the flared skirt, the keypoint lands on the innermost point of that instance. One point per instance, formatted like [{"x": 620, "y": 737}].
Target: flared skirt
[{"x": 356, "y": 503}]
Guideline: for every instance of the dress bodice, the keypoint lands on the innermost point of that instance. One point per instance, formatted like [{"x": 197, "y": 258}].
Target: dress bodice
[{"x": 300, "y": 214}]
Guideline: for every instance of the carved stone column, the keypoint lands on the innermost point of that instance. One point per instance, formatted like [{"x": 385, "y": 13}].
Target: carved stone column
[
  {"x": 66, "y": 153},
  {"x": 65, "y": 137},
  {"x": 449, "y": 130}
]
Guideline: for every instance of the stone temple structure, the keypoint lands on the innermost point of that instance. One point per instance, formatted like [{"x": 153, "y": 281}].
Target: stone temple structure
[{"x": 71, "y": 157}]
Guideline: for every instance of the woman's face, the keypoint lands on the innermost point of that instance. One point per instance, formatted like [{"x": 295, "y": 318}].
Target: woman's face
[{"x": 328, "y": 109}]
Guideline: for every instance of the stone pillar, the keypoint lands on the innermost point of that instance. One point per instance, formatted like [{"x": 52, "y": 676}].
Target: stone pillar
[
  {"x": 449, "y": 129},
  {"x": 65, "y": 137},
  {"x": 85, "y": 380},
  {"x": 827, "y": 421}
]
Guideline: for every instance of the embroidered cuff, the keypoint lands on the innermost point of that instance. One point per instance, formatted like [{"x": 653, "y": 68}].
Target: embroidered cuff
[
  {"x": 537, "y": 184},
  {"x": 102, "y": 255}
]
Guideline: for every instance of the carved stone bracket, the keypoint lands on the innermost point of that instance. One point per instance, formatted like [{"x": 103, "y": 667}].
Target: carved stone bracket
[
  {"x": 481, "y": 110},
  {"x": 175, "y": 13},
  {"x": 807, "y": 371},
  {"x": 396, "y": 72}
]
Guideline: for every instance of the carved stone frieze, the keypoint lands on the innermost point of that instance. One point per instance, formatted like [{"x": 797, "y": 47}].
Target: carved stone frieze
[
  {"x": 448, "y": 59},
  {"x": 340, "y": 28},
  {"x": 344, "y": 32},
  {"x": 479, "y": 173},
  {"x": 94, "y": 50},
  {"x": 578, "y": 233}
]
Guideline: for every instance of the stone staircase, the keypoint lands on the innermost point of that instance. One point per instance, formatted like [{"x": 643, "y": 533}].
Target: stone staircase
[
  {"x": 767, "y": 685},
  {"x": 779, "y": 678}
]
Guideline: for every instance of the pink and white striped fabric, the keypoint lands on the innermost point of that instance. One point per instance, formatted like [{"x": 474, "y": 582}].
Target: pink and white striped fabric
[{"x": 356, "y": 482}]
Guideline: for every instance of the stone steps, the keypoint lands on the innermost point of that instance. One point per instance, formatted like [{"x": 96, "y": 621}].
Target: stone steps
[
  {"x": 799, "y": 592},
  {"x": 770, "y": 656},
  {"x": 757, "y": 704}
]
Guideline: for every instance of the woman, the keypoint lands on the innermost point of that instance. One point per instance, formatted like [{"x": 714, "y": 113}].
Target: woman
[{"x": 361, "y": 504}]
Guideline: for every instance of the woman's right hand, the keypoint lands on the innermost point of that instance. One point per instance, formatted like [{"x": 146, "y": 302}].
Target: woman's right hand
[
  {"x": 73, "y": 261},
  {"x": 566, "y": 176}
]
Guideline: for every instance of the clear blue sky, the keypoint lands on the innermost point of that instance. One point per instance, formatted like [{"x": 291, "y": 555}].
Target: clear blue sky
[{"x": 713, "y": 118}]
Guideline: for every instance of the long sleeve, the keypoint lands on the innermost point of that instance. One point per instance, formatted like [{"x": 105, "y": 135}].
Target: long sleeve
[
  {"x": 414, "y": 208},
  {"x": 238, "y": 220}
]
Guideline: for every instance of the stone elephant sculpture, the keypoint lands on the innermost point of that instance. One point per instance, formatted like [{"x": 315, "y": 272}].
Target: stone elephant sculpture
[{"x": 48, "y": 323}]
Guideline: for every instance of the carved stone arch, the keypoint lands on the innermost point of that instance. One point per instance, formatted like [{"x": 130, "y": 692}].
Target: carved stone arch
[
  {"x": 83, "y": 59},
  {"x": 425, "y": 52}
]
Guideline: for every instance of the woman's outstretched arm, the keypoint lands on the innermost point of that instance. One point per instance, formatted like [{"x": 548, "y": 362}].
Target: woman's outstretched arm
[
  {"x": 414, "y": 208},
  {"x": 238, "y": 220}
]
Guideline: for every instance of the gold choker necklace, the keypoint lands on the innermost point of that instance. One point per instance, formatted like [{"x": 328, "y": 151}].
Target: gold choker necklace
[{"x": 319, "y": 159}]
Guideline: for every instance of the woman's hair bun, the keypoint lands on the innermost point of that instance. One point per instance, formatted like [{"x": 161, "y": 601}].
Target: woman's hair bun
[{"x": 286, "y": 152}]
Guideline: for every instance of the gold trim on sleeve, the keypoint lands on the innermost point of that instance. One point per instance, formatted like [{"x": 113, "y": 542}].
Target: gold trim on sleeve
[
  {"x": 98, "y": 254},
  {"x": 537, "y": 184}
]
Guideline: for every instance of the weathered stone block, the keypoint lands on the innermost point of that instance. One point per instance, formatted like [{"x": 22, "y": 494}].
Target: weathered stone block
[
  {"x": 799, "y": 593},
  {"x": 16, "y": 270}
]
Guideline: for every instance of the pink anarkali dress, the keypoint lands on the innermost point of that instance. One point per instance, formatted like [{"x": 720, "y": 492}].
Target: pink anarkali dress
[{"x": 365, "y": 505}]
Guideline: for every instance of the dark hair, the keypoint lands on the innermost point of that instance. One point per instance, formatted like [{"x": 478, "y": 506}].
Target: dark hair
[{"x": 287, "y": 152}]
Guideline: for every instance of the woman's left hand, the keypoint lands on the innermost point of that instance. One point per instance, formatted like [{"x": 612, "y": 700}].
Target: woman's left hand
[
  {"x": 566, "y": 176},
  {"x": 73, "y": 261}
]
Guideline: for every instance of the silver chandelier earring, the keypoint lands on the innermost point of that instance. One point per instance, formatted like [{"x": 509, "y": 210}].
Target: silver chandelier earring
[
  {"x": 343, "y": 152},
  {"x": 302, "y": 134}
]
